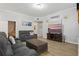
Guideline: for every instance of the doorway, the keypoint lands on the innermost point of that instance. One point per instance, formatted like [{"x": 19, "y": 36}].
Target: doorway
[
  {"x": 40, "y": 29},
  {"x": 12, "y": 28}
]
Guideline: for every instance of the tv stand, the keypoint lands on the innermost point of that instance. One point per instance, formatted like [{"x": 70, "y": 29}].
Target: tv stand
[{"x": 55, "y": 36}]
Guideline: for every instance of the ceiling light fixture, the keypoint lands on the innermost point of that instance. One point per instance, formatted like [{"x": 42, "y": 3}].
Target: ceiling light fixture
[{"x": 38, "y": 5}]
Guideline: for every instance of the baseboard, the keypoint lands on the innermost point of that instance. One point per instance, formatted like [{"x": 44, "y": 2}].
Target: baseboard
[{"x": 71, "y": 42}]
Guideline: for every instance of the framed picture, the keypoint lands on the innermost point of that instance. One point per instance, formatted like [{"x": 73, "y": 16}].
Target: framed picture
[
  {"x": 29, "y": 23},
  {"x": 25, "y": 23}
]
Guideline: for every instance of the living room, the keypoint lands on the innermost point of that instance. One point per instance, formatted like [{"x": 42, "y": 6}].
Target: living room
[{"x": 20, "y": 19}]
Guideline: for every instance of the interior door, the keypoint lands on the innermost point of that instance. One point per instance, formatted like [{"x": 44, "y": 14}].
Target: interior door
[{"x": 12, "y": 28}]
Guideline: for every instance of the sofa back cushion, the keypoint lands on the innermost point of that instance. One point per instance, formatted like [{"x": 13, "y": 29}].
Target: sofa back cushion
[
  {"x": 24, "y": 35},
  {"x": 3, "y": 34},
  {"x": 5, "y": 46}
]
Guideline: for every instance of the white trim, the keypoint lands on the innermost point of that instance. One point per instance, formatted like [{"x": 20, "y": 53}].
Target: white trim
[{"x": 72, "y": 42}]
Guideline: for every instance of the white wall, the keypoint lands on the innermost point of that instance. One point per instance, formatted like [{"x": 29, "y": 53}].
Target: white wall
[
  {"x": 3, "y": 22},
  {"x": 3, "y": 26},
  {"x": 6, "y": 16},
  {"x": 68, "y": 17},
  {"x": 20, "y": 27},
  {"x": 70, "y": 22}
]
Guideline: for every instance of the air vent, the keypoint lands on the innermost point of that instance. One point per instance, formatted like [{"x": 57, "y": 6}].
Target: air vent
[{"x": 54, "y": 17}]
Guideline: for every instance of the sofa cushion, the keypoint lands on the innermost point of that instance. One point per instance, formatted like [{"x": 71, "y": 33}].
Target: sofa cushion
[
  {"x": 5, "y": 46},
  {"x": 24, "y": 51}
]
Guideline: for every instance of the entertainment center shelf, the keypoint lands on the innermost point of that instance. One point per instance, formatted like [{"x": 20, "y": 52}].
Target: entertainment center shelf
[{"x": 54, "y": 37}]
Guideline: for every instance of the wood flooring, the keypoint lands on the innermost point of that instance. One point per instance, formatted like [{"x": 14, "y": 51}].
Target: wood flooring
[{"x": 60, "y": 49}]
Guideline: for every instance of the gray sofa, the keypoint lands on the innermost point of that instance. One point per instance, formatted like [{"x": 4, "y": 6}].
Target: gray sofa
[
  {"x": 25, "y": 35},
  {"x": 18, "y": 49}
]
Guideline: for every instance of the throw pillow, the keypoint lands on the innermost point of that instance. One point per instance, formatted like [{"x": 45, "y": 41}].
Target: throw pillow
[
  {"x": 12, "y": 39},
  {"x": 31, "y": 33}
]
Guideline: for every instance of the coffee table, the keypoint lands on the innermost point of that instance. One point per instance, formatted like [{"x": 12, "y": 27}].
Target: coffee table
[{"x": 38, "y": 45}]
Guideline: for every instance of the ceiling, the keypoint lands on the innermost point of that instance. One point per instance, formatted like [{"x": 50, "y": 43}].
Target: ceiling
[{"x": 28, "y": 9}]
